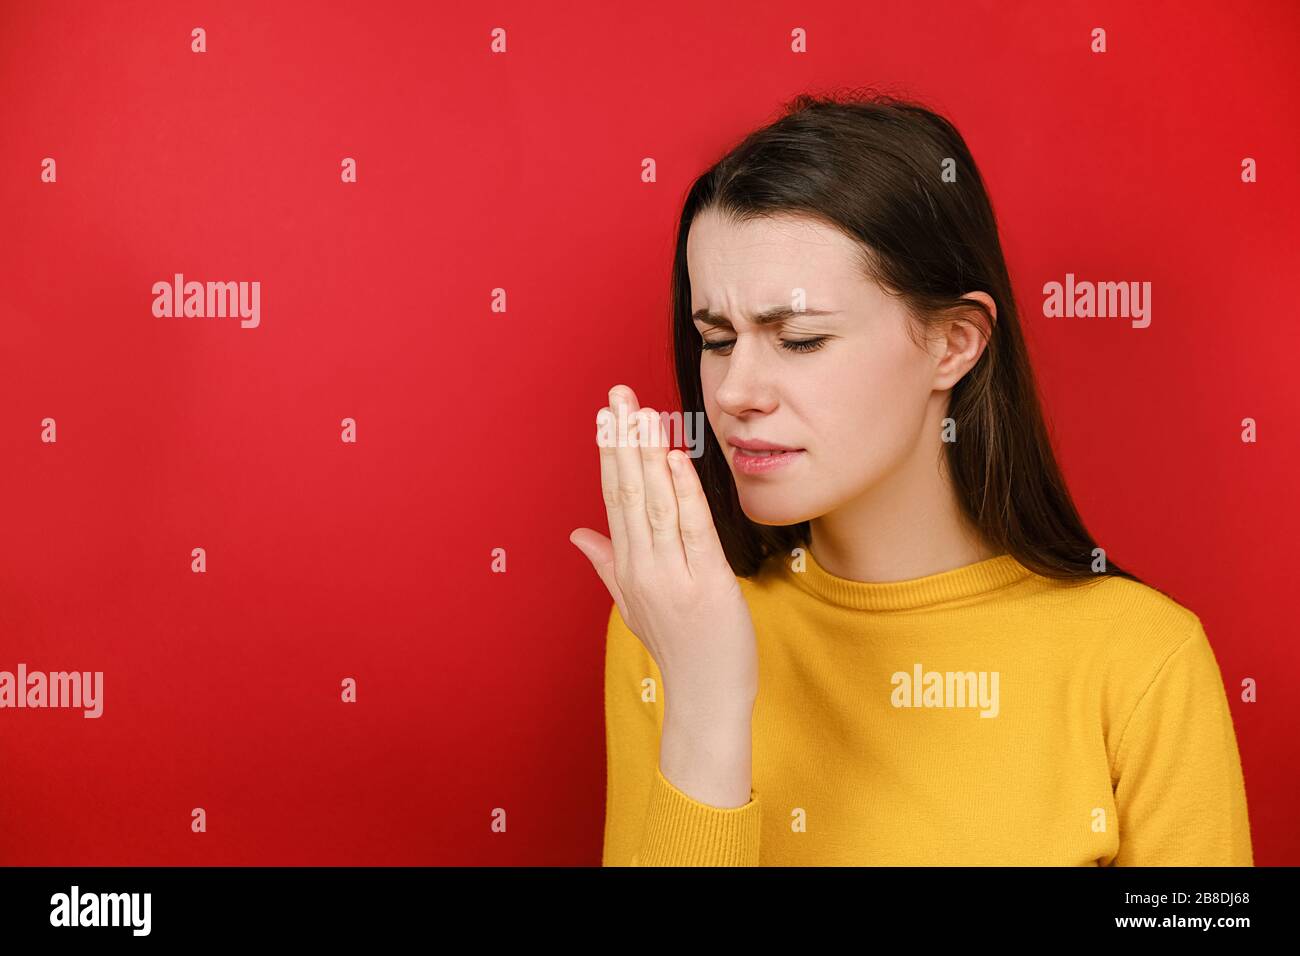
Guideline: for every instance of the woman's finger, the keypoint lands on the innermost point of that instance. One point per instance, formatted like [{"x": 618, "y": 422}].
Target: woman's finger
[
  {"x": 631, "y": 481},
  {"x": 660, "y": 496},
  {"x": 607, "y": 439},
  {"x": 599, "y": 550},
  {"x": 699, "y": 537}
]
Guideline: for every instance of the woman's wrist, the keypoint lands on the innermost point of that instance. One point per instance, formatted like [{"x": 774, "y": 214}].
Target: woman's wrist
[{"x": 709, "y": 757}]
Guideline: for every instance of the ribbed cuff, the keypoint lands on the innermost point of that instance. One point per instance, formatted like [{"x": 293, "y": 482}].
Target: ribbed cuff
[{"x": 681, "y": 831}]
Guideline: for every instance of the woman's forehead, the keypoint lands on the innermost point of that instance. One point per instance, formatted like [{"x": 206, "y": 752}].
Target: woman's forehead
[{"x": 748, "y": 269}]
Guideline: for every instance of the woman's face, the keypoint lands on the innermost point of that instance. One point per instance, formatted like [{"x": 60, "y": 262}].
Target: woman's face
[{"x": 856, "y": 407}]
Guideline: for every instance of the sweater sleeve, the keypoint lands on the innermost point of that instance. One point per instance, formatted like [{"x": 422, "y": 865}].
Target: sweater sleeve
[
  {"x": 1179, "y": 789},
  {"x": 649, "y": 821}
]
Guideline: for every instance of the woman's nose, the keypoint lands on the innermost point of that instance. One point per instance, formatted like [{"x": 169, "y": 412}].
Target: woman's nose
[{"x": 747, "y": 384}]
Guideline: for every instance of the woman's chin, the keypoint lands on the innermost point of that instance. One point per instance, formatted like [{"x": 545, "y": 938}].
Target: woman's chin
[{"x": 775, "y": 513}]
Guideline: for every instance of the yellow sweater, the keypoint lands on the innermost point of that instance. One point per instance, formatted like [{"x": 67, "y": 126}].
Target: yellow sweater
[{"x": 981, "y": 716}]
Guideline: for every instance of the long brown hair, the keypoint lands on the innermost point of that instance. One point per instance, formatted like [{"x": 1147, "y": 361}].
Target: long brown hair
[{"x": 870, "y": 165}]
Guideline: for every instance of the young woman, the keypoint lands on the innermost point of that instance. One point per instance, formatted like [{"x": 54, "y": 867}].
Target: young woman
[{"x": 868, "y": 626}]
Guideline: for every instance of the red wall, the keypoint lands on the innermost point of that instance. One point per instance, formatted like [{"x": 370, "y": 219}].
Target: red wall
[{"x": 521, "y": 171}]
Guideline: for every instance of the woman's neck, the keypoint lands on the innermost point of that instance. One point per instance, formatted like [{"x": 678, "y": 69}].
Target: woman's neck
[{"x": 907, "y": 526}]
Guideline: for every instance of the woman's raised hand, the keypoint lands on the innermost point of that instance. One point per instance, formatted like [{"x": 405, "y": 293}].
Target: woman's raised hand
[{"x": 665, "y": 567}]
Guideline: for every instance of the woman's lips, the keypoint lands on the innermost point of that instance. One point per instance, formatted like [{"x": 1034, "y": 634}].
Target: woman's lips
[{"x": 761, "y": 463}]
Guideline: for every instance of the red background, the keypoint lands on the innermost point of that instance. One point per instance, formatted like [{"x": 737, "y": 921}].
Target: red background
[{"x": 476, "y": 429}]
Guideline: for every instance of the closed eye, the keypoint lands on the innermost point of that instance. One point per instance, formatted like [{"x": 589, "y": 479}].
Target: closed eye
[{"x": 790, "y": 345}]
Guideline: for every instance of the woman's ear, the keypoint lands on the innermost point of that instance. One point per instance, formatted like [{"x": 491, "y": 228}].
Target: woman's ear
[
  {"x": 965, "y": 336},
  {"x": 977, "y": 316}
]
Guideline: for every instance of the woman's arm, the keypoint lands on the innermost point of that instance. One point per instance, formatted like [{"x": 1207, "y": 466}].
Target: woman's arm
[
  {"x": 680, "y": 796},
  {"x": 1179, "y": 788},
  {"x": 679, "y": 611}
]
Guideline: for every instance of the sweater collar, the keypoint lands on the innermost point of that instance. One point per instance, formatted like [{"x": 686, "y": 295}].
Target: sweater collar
[{"x": 964, "y": 582}]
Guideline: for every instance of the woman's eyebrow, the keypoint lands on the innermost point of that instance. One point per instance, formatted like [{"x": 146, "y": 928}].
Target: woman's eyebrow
[{"x": 772, "y": 316}]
